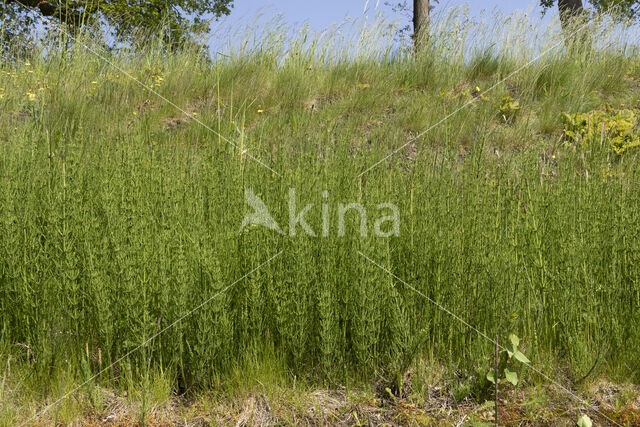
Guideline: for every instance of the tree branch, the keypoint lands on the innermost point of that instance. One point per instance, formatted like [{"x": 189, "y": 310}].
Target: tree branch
[{"x": 70, "y": 17}]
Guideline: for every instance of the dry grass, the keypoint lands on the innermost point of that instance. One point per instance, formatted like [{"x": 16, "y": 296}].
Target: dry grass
[{"x": 530, "y": 406}]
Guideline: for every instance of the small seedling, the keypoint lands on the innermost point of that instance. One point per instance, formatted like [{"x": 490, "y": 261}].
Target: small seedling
[{"x": 512, "y": 352}]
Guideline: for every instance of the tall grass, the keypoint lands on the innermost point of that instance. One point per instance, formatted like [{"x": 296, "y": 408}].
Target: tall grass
[{"x": 119, "y": 214}]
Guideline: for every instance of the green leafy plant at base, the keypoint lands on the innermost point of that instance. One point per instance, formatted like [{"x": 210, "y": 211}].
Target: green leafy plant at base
[
  {"x": 511, "y": 352},
  {"x": 584, "y": 421},
  {"x": 618, "y": 128},
  {"x": 509, "y": 109}
]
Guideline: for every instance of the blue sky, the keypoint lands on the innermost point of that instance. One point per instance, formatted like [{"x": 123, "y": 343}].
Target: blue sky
[{"x": 322, "y": 13}]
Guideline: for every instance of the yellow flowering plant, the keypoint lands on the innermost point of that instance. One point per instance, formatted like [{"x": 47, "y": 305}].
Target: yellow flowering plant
[
  {"x": 509, "y": 109},
  {"x": 617, "y": 128}
]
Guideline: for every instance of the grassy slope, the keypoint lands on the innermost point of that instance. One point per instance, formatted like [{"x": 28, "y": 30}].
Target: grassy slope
[{"x": 120, "y": 213}]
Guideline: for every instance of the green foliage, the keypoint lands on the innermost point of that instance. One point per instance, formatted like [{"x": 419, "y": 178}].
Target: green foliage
[
  {"x": 615, "y": 127},
  {"x": 512, "y": 352},
  {"x": 584, "y": 421},
  {"x": 120, "y": 214},
  {"x": 127, "y": 20},
  {"x": 509, "y": 108},
  {"x": 627, "y": 8}
]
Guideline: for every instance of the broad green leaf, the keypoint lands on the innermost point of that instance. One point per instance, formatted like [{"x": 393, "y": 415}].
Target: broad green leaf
[
  {"x": 515, "y": 341},
  {"x": 511, "y": 376},
  {"x": 511, "y": 350},
  {"x": 491, "y": 377},
  {"x": 584, "y": 421},
  {"x": 521, "y": 357}
]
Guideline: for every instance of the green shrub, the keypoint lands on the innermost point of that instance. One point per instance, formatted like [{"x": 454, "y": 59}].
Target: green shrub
[{"x": 618, "y": 128}]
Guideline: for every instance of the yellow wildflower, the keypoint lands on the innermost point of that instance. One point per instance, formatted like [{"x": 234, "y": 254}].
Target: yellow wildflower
[
  {"x": 260, "y": 111},
  {"x": 135, "y": 113},
  {"x": 31, "y": 96}
]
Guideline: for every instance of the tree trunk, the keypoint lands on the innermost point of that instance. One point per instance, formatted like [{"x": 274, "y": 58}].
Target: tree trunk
[
  {"x": 573, "y": 19},
  {"x": 569, "y": 10},
  {"x": 420, "y": 21}
]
